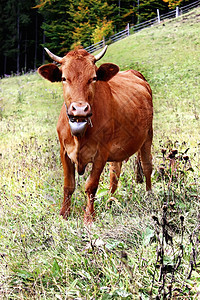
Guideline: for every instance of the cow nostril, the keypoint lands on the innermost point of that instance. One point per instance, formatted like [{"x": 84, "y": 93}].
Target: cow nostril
[
  {"x": 73, "y": 108},
  {"x": 86, "y": 108}
]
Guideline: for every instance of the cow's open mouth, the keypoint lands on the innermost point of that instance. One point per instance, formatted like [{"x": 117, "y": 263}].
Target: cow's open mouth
[
  {"x": 78, "y": 125},
  {"x": 77, "y": 119}
]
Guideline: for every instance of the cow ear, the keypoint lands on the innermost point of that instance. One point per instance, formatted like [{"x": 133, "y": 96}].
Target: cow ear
[
  {"x": 50, "y": 72},
  {"x": 106, "y": 71}
]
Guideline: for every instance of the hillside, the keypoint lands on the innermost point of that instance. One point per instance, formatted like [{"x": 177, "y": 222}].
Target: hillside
[{"x": 144, "y": 246}]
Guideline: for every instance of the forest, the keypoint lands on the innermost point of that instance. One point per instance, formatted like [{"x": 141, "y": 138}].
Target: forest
[{"x": 26, "y": 26}]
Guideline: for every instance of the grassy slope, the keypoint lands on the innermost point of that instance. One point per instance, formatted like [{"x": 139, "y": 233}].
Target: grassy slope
[{"x": 44, "y": 257}]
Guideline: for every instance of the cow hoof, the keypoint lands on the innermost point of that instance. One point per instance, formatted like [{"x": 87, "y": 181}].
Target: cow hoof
[
  {"x": 88, "y": 221},
  {"x": 89, "y": 218},
  {"x": 64, "y": 214},
  {"x": 149, "y": 195}
]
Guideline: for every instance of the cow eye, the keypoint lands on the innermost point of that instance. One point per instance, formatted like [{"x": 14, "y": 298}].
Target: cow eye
[
  {"x": 92, "y": 79},
  {"x": 66, "y": 79}
]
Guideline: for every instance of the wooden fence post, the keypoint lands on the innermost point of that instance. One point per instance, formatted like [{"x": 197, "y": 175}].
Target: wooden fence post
[
  {"x": 158, "y": 15},
  {"x": 104, "y": 43},
  {"x": 177, "y": 12},
  {"x": 128, "y": 29}
]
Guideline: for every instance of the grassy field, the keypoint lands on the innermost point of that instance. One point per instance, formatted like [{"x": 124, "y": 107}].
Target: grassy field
[{"x": 144, "y": 246}]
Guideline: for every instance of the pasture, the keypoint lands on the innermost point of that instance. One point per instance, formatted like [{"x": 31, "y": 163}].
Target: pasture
[{"x": 141, "y": 246}]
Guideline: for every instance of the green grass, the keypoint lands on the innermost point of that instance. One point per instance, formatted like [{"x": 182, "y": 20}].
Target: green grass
[{"x": 144, "y": 245}]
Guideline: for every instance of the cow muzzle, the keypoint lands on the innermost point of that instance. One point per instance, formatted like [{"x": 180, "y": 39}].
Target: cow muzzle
[{"x": 79, "y": 118}]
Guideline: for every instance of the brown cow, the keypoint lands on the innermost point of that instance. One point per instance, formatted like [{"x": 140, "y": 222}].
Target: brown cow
[{"x": 106, "y": 116}]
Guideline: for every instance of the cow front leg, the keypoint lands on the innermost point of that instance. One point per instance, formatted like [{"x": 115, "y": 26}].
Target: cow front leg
[
  {"x": 69, "y": 183},
  {"x": 91, "y": 188}
]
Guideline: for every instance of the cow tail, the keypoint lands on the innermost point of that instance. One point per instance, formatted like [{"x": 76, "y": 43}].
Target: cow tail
[{"x": 139, "y": 171}]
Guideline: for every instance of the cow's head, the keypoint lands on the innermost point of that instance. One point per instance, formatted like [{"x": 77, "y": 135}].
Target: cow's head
[{"x": 78, "y": 74}]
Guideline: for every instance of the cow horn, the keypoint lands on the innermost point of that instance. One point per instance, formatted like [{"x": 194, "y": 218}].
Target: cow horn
[
  {"x": 101, "y": 54},
  {"x": 56, "y": 58}
]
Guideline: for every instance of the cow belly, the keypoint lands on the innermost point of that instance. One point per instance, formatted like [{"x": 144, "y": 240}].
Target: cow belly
[{"x": 125, "y": 147}]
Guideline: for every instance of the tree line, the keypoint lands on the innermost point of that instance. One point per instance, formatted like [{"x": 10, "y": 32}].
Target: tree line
[{"x": 26, "y": 26}]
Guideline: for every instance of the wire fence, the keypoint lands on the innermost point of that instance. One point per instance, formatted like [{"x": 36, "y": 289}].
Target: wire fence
[{"x": 135, "y": 28}]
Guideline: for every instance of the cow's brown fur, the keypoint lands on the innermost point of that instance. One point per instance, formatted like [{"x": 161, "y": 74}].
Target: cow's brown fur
[{"x": 122, "y": 112}]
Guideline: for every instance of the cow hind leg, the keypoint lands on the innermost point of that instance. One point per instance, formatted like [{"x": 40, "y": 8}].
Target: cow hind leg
[
  {"x": 115, "y": 169},
  {"x": 146, "y": 160}
]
